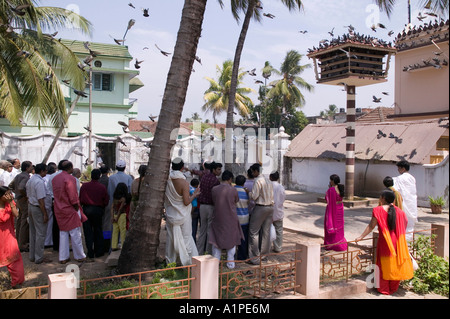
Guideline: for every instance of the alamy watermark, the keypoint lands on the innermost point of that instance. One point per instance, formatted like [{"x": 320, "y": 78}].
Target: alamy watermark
[
  {"x": 73, "y": 281},
  {"x": 234, "y": 146}
]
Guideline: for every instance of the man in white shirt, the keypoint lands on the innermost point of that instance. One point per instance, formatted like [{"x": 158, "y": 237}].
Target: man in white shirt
[
  {"x": 405, "y": 183},
  {"x": 261, "y": 217},
  {"x": 279, "y": 196},
  {"x": 6, "y": 175}
]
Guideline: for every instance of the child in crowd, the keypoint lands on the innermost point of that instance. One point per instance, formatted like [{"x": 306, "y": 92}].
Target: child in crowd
[
  {"x": 120, "y": 209},
  {"x": 195, "y": 208},
  {"x": 243, "y": 215}
]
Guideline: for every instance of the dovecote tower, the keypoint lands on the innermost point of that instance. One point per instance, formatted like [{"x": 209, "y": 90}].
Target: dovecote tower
[{"x": 351, "y": 60}]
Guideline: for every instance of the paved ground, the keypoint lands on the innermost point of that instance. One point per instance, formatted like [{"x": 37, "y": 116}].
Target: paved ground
[
  {"x": 305, "y": 215},
  {"x": 303, "y": 221}
]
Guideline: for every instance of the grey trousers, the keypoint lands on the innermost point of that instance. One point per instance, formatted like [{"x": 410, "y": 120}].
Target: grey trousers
[
  {"x": 278, "y": 242},
  {"x": 260, "y": 219},
  {"x": 38, "y": 231},
  {"x": 206, "y": 214}
]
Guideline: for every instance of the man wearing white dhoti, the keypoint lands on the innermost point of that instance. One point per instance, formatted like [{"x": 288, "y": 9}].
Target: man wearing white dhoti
[
  {"x": 405, "y": 183},
  {"x": 178, "y": 216}
]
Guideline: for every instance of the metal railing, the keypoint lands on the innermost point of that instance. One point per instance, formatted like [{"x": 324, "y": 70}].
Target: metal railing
[
  {"x": 167, "y": 283},
  {"x": 272, "y": 274},
  {"x": 340, "y": 266}
]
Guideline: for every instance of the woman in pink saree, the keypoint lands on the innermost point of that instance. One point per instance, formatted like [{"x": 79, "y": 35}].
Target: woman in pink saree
[{"x": 334, "y": 216}]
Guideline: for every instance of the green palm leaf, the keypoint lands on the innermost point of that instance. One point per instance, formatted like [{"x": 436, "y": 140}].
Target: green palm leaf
[{"x": 24, "y": 91}]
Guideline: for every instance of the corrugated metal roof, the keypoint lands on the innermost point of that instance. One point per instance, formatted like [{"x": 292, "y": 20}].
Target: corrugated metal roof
[{"x": 388, "y": 141}]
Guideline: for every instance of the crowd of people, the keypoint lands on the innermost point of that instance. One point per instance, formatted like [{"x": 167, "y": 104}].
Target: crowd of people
[
  {"x": 45, "y": 206},
  {"x": 218, "y": 212}
]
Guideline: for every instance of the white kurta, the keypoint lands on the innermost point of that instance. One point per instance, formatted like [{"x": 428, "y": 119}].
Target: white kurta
[
  {"x": 178, "y": 224},
  {"x": 406, "y": 185}
]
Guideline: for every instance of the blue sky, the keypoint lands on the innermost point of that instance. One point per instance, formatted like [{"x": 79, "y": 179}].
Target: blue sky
[{"x": 266, "y": 41}]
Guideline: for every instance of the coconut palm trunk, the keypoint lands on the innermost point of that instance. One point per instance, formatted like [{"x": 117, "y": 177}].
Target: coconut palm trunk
[
  {"x": 140, "y": 248},
  {"x": 229, "y": 149}
]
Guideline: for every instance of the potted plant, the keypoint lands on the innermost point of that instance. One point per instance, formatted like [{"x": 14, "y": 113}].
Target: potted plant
[{"x": 436, "y": 204}]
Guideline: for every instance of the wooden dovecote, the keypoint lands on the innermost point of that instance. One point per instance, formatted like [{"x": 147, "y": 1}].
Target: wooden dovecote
[{"x": 355, "y": 61}]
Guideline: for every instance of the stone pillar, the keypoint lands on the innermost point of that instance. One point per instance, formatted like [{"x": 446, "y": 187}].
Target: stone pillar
[
  {"x": 62, "y": 286},
  {"x": 206, "y": 277},
  {"x": 350, "y": 144},
  {"x": 441, "y": 240},
  {"x": 282, "y": 142},
  {"x": 307, "y": 273}
]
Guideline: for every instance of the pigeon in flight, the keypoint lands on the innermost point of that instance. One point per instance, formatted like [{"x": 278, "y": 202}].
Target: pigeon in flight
[
  {"x": 80, "y": 93},
  {"x": 376, "y": 100},
  {"x": 123, "y": 124},
  {"x": 162, "y": 52},
  {"x": 145, "y": 14},
  {"x": 119, "y": 42},
  {"x": 421, "y": 17},
  {"x": 331, "y": 32},
  {"x": 23, "y": 53},
  {"x": 19, "y": 10},
  {"x": 374, "y": 27},
  {"x": 131, "y": 5},
  {"x": 152, "y": 118},
  {"x": 252, "y": 72},
  {"x": 348, "y": 54},
  {"x": 48, "y": 77},
  {"x": 303, "y": 31},
  {"x": 118, "y": 139},
  {"x": 137, "y": 64},
  {"x": 381, "y": 134},
  {"x": 269, "y": 15}
]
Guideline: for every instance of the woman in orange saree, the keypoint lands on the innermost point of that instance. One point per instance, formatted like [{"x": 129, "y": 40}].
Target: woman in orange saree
[
  {"x": 334, "y": 216},
  {"x": 393, "y": 259}
]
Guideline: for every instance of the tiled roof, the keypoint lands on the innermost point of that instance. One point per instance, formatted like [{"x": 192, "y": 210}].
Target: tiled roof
[
  {"x": 102, "y": 49},
  {"x": 388, "y": 141},
  {"x": 380, "y": 114}
]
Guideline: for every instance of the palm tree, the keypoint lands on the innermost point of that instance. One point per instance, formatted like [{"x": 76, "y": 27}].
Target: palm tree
[
  {"x": 288, "y": 87},
  {"x": 251, "y": 9},
  {"x": 140, "y": 248},
  {"x": 437, "y": 6},
  {"x": 330, "y": 112},
  {"x": 217, "y": 95},
  {"x": 29, "y": 86}
]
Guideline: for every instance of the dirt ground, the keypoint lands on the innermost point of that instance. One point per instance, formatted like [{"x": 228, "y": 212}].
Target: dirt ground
[{"x": 37, "y": 275}]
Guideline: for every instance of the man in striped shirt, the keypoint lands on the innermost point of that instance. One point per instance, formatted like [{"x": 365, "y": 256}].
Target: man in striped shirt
[{"x": 243, "y": 216}]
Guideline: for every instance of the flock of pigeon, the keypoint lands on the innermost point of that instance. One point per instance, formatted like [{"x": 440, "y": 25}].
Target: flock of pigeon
[
  {"x": 409, "y": 33},
  {"x": 350, "y": 37},
  {"x": 425, "y": 35}
]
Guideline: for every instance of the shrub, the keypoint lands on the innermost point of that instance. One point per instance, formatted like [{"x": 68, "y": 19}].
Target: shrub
[{"x": 433, "y": 273}]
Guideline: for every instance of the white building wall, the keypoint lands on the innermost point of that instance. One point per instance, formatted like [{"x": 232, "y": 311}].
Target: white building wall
[{"x": 312, "y": 175}]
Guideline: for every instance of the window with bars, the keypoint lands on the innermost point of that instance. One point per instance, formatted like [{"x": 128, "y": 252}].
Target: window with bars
[{"x": 102, "y": 81}]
